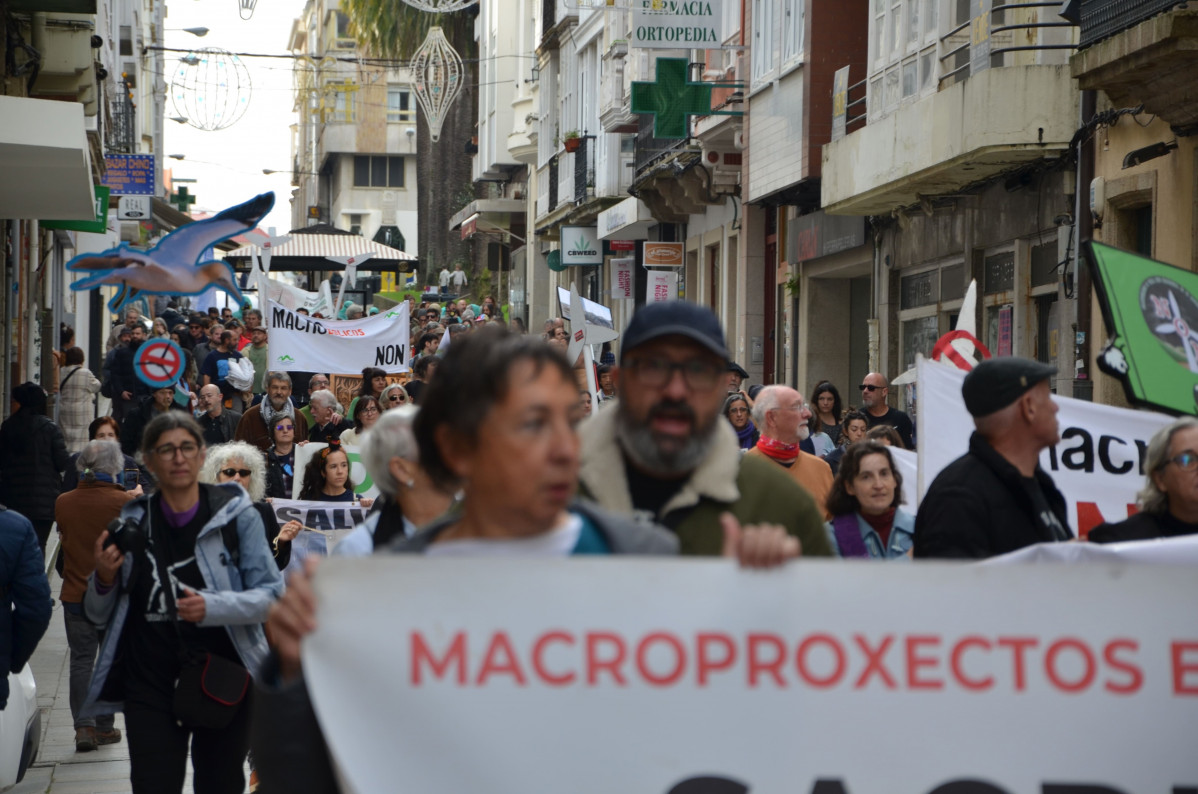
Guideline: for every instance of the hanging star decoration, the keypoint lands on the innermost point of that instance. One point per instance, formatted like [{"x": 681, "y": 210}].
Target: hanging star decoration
[
  {"x": 440, "y": 6},
  {"x": 437, "y": 74}
]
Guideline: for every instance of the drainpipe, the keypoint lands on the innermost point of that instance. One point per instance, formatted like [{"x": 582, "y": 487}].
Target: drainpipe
[
  {"x": 1083, "y": 226},
  {"x": 8, "y": 319}
]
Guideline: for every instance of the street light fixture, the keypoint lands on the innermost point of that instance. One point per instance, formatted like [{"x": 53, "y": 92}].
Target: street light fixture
[{"x": 179, "y": 119}]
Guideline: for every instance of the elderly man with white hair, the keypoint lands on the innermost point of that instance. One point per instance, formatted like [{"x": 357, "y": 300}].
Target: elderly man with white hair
[
  {"x": 410, "y": 498},
  {"x": 325, "y": 411},
  {"x": 781, "y": 414},
  {"x": 242, "y": 463}
]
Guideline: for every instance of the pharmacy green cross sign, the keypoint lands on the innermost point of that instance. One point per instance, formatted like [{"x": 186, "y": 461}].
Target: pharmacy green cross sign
[
  {"x": 183, "y": 199},
  {"x": 671, "y": 99}
]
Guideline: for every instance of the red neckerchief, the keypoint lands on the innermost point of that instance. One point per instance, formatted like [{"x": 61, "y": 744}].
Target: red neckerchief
[{"x": 783, "y": 453}]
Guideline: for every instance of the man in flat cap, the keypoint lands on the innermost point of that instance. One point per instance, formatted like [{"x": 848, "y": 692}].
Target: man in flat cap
[{"x": 996, "y": 498}]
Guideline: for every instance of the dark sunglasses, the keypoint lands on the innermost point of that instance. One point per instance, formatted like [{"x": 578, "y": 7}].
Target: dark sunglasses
[
  {"x": 868, "y": 387},
  {"x": 231, "y": 472},
  {"x": 395, "y": 397}
]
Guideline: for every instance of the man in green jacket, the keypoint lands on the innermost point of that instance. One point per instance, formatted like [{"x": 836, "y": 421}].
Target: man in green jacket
[{"x": 665, "y": 452}]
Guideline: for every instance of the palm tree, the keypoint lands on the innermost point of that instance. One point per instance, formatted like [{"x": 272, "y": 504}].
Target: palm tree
[{"x": 394, "y": 29}]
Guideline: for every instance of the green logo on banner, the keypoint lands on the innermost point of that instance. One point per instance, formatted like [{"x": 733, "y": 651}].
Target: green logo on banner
[
  {"x": 285, "y": 360},
  {"x": 1151, "y": 312}
]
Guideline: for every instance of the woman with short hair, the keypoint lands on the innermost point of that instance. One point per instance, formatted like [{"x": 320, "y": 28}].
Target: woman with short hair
[
  {"x": 1168, "y": 502},
  {"x": 394, "y": 396},
  {"x": 864, "y": 503},
  {"x": 738, "y": 413},
  {"x": 183, "y": 593},
  {"x": 106, "y": 428},
  {"x": 77, "y": 390},
  {"x": 243, "y": 463},
  {"x": 280, "y": 458}
]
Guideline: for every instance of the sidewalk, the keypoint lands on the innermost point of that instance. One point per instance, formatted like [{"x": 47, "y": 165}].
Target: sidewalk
[{"x": 58, "y": 769}]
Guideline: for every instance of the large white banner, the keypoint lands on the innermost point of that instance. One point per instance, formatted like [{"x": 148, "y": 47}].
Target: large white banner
[
  {"x": 293, "y": 298},
  {"x": 1097, "y": 464},
  {"x": 637, "y": 675},
  {"x": 299, "y": 342}
]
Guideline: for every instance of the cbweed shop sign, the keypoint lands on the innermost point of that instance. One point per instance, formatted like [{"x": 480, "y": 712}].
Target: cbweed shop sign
[
  {"x": 670, "y": 24},
  {"x": 581, "y": 246}
]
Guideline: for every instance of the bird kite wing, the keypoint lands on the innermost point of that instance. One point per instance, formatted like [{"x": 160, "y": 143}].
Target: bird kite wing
[{"x": 187, "y": 244}]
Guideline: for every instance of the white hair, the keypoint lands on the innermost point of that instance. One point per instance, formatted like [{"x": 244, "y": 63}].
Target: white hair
[
  {"x": 219, "y": 457},
  {"x": 325, "y": 399},
  {"x": 100, "y": 456},
  {"x": 1152, "y": 499},
  {"x": 767, "y": 400},
  {"x": 390, "y": 437}
]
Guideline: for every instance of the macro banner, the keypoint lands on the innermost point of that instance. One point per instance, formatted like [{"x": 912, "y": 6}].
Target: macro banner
[
  {"x": 1097, "y": 465},
  {"x": 300, "y": 342},
  {"x": 682, "y": 676}
]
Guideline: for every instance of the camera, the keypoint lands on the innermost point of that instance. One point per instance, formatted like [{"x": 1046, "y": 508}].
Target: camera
[{"x": 125, "y": 535}]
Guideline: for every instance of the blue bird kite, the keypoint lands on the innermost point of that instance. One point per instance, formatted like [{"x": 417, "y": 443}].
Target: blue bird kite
[{"x": 173, "y": 267}]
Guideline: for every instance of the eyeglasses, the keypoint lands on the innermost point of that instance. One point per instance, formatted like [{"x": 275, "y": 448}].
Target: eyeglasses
[
  {"x": 738, "y": 410},
  {"x": 169, "y": 451},
  {"x": 230, "y": 472},
  {"x": 396, "y": 398},
  {"x": 281, "y": 428},
  {"x": 370, "y": 409},
  {"x": 1186, "y": 461},
  {"x": 697, "y": 372},
  {"x": 869, "y": 387}
]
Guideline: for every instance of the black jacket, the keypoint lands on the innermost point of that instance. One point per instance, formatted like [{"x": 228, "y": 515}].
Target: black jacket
[
  {"x": 123, "y": 378},
  {"x": 274, "y": 476},
  {"x": 33, "y": 456},
  {"x": 136, "y": 421},
  {"x": 1142, "y": 526},
  {"x": 220, "y": 429},
  {"x": 978, "y": 507}
]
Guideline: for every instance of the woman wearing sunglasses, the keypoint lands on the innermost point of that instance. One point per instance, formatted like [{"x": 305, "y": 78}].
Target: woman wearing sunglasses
[
  {"x": 243, "y": 463},
  {"x": 280, "y": 458},
  {"x": 393, "y": 396}
]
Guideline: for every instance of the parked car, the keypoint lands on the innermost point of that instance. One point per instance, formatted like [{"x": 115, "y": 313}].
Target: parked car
[{"x": 20, "y": 728}]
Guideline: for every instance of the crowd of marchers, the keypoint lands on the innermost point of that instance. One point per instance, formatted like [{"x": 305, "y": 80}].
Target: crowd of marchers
[{"x": 494, "y": 445}]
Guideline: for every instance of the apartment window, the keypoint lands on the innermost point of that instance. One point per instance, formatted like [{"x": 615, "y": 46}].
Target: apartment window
[
  {"x": 378, "y": 171},
  {"x": 344, "y": 106},
  {"x": 903, "y": 44},
  {"x": 126, "y": 40},
  {"x": 793, "y": 24},
  {"x": 342, "y": 25},
  {"x": 764, "y": 38},
  {"x": 355, "y": 223},
  {"x": 399, "y": 105}
]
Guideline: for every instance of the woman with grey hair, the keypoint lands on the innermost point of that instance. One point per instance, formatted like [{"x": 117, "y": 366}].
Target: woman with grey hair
[
  {"x": 1169, "y": 500},
  {"x": 393, "y": 396},
  {"x": 243, "y": 463},
  {"x": 410, "y": 498}
]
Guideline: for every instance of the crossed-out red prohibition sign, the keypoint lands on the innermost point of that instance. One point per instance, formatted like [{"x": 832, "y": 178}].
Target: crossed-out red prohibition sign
[{"x": 158, "y": 363}]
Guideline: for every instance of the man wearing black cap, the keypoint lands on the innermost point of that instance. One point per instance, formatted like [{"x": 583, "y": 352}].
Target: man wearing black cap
[
  {"x": 665, "y": 453},
  {"x": 996, "y": 498}
]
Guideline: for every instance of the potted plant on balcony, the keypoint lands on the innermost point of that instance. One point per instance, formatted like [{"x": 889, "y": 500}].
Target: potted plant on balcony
[{"x": 571, "y": 140}]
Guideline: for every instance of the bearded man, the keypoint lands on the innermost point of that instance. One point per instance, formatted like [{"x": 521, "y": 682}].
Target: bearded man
[{"x": 256, "y": 422}]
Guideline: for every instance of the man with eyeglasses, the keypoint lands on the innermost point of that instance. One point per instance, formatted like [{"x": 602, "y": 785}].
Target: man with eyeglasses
[
  {"x": 995, "y": 498},
  {"x": 664, "y": 452},
  {"x": 875, "y": 390},
  {"x": 781, "y": 414},
  {"x": 219, "y": 424},
  {"x": 255, "y": 424}
]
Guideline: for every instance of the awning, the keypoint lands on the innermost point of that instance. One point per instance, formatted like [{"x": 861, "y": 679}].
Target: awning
[
  {"x": 628, "y": 220},
  {"x": 45, "y": 161},
  {"x": 497, "y": 211},
  {"x": 306, "y": 252}
]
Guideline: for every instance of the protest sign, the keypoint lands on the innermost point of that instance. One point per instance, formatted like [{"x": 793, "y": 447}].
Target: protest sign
[
  {"x": 637, "y": 675},
  {"x": 1098, "y": 464},
  {"x": 293, "y": 298},
  {"x": 363, "y": 484},
  {"x": 299, "y": 342},
  {"x": 328, "y": 521}
]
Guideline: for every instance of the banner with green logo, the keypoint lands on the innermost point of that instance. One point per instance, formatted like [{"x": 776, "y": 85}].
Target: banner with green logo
[{"x": 1151, "y": 313}]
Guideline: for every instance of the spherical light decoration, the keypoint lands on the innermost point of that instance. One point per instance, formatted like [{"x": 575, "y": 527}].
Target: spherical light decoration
[
  {"x": 211, "y": 88},
  {"x": 437, "y": 74},
  {"x": 440, "y": 6}
]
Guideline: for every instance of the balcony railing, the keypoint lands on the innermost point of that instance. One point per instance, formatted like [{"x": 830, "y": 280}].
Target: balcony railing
[
  {"x": 649, "y": 149},
  {"x": 122, "y": 138},
  {"x": 919, "y": 74},
  {"x": 1104, "y": 18}
]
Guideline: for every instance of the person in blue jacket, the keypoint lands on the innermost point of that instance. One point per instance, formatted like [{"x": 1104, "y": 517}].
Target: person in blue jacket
[
  {"x": 864, "y": 502},
  {"x": 25, "y": 592}
]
